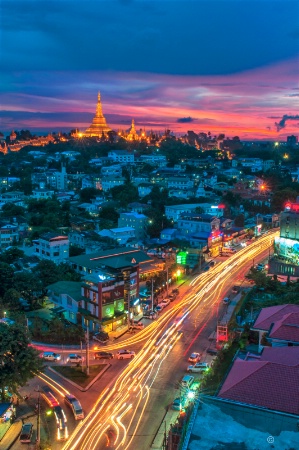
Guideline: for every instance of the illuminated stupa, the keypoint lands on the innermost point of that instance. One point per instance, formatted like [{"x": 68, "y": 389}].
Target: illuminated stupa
[{"x": 99, "y": 125}]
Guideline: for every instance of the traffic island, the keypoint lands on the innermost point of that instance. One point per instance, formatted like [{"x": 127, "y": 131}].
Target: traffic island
[{"x": 79, "y": 378}]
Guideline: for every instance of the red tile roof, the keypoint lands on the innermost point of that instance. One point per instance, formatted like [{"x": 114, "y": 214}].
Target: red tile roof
[
  {"x": 287, "y": 328},
  {"x": 288, "y": 356},
  {"x": 267, "y": 316},
  {"x": 265, "y": 383}
]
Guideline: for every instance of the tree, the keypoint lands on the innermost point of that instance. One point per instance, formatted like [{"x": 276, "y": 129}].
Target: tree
[
  {"x": 11, "y": 300},
  {"x": 19, "y": 361},
  {"x": 6, "y": 277},
  {"x": 87, "y": 194},
  {"x": 29, "y": 286},
  {"x": 11, "y": 255},
  {"x": 239, "y": 220},
  {"x": 109, "y": 213}
]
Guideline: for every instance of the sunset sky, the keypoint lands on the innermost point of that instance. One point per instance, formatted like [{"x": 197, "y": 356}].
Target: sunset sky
[{"x": 227, "y": 66}]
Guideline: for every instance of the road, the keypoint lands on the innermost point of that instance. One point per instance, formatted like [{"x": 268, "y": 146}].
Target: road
[{"x": 134, "y": 403}]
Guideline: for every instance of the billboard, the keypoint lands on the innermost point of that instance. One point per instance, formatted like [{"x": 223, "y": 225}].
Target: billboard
[
  {"x": 119, "y": 305},
  {"x": 288, "y": 248},
  {"x": 108, "y": 310}
]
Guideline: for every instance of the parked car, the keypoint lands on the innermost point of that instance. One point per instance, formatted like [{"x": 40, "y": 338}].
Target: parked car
[
  {"x": 51, "y": 356},
  {"x": 26, "y": 433},
  {"x": 194, "y": 357},
  {"x": 187, "y": 381},
  {"x": 125, "y": 354},
  {"x": 103, "y": 355},
  {"x": 138, "y": 325},
  {"x": 159, "y": 308},
  {"x": 226, "y": 300},
  {"x": 175, "y": 291},
  {"x": 165, "y": 302},
  {"x": 212, "y": 351},
  {"x": 172, "y": 297},
  {"x": 198, "y": 367},
  {"x": 179, "y": 403},
  {"x": 74, "y": 358},
  {"x": 150, "y": 315},
  {"x": 101, "y": 336},
  {"x": 236, "y": 289}
]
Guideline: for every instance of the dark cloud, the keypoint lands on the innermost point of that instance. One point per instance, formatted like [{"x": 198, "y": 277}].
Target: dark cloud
[
  {"x": 146, "y": 35},
  {"x": 282, "y": 123},
  {"x": 185, "y": 120},
  {"x": 293, "y": 95}
]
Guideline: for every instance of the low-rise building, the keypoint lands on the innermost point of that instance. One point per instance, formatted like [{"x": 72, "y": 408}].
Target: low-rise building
[
  {"x": 135, "y": 220},
  {"x": 52, "y": 247},
  {"x": 121, "y": 156},
  {"x": 110, "y": 182}
]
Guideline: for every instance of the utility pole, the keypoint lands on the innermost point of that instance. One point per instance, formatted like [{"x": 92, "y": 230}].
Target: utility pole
[
  {"x": 152, "y": 294},
  {"x": 167, "y": 280},
  {"x": 38, "y": 420},
  {"x": 87, "y": 349},
  {"x": 81, "y": 347}
]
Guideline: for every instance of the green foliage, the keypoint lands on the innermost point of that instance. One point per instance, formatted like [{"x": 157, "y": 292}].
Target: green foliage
[
  {"x": 11, "y": 255},
  {"x": 11, "y": 300},
  {"x": 76, "y": 251},
  {"x": 6, "y": 277},
  {"x": 12, "y": 210},
  {"x": 87, "y": 194},
  {"x": 19, "y": 361},
  {"x": 109, "y": 213},
  {"x": 127, "y": 193},
  {"x": 29, "y": 286}
]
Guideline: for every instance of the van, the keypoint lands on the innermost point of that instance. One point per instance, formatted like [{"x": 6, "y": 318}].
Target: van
[
  {"x": 75, "y": 405},
  {"x": 187, "y": 381}
]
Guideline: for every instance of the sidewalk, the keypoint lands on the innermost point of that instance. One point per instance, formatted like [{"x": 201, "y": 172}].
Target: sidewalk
[{"x": 169, "y": 419}]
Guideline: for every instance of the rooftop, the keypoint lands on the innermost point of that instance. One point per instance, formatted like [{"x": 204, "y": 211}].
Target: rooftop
[{"x": 272, "y": 314}]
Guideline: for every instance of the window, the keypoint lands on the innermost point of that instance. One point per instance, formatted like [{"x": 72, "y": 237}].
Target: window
[{"x": 69, "y": 301}]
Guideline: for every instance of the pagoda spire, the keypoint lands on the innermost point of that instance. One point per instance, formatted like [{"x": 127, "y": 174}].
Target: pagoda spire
[
  {"x": 99, "y": 112},
  {"x": 99, "y": 127}
]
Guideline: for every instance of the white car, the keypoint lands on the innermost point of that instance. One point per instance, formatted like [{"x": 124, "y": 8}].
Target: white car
[
  {"x": 125, "y": 354},
  {"x": 74, "y": 358},
  {"x": 165, "y": 302},
  {"x": 194, "y": 357},
  {"x": 51, "y": 356},
  {"x": 198, "y": 367}
]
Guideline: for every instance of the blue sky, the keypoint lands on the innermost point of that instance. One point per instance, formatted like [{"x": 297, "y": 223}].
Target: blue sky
[{"x": 159, "y": 61}]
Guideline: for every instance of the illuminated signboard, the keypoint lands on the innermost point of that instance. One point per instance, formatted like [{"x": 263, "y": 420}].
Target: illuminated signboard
[
  {"x": 108, "y": 310},
  {"x": 181, "y": 258},
  {"x": 288, "y": 248},
  {"x": 119, "y": 305}
]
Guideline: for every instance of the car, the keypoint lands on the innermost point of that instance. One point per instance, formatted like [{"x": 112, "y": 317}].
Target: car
[
  {"x": 165, "y": 302},
  {"x": 205, "y": 269},
  {"x": 75, "y": 358},
  {"x": 187, "y": 381},
  {"x": 198, "y": 367},
  {"x": 71, "y": 401},
  {"x": 51, "y": 356},
  {"x": 150, "y": 315},
  {"x": 172, "y": 297},
  {"x": 101, "y": 336},
  {"x": 26, "y": 433},
  {"x": 125, "y": 354},
  {"x": 175, "y": 291},
  {"x": 103, "y": 355},
  {"x": 226, "y": 301},
  {"x": 179, "y": 403},
  {"x": 159, "y": 308},
  {"x": 194, "y": 357},
  {"x": 236, "y": 289},
  {"x": 138, "y": 325},
  {"x": 212, "y": 351}
]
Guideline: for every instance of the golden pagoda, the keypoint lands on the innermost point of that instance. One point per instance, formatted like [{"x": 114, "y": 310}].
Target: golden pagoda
[
  {"x": 99, "y": 125},
  {"x": 132, "y": 136}
]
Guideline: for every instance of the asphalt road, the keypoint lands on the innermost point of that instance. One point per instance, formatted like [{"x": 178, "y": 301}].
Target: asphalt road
[{"x": 132, "y": 396}]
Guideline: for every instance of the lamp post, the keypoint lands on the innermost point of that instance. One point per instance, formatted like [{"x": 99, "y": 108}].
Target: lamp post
[
  {"x": 152, "y": 294},
  {"x": 167, "y": 280}
]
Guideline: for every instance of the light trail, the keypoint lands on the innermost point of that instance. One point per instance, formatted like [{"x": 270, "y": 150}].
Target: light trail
[{"x": 160, "y": 337}]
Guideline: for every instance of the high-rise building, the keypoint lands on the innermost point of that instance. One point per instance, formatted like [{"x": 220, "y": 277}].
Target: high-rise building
[
  {"x": 99, "y": 125},
  {"x": 292, "y": 140}
]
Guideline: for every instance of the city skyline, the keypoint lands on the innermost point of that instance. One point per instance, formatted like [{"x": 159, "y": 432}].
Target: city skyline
[{"x": 202, "y": 69}]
